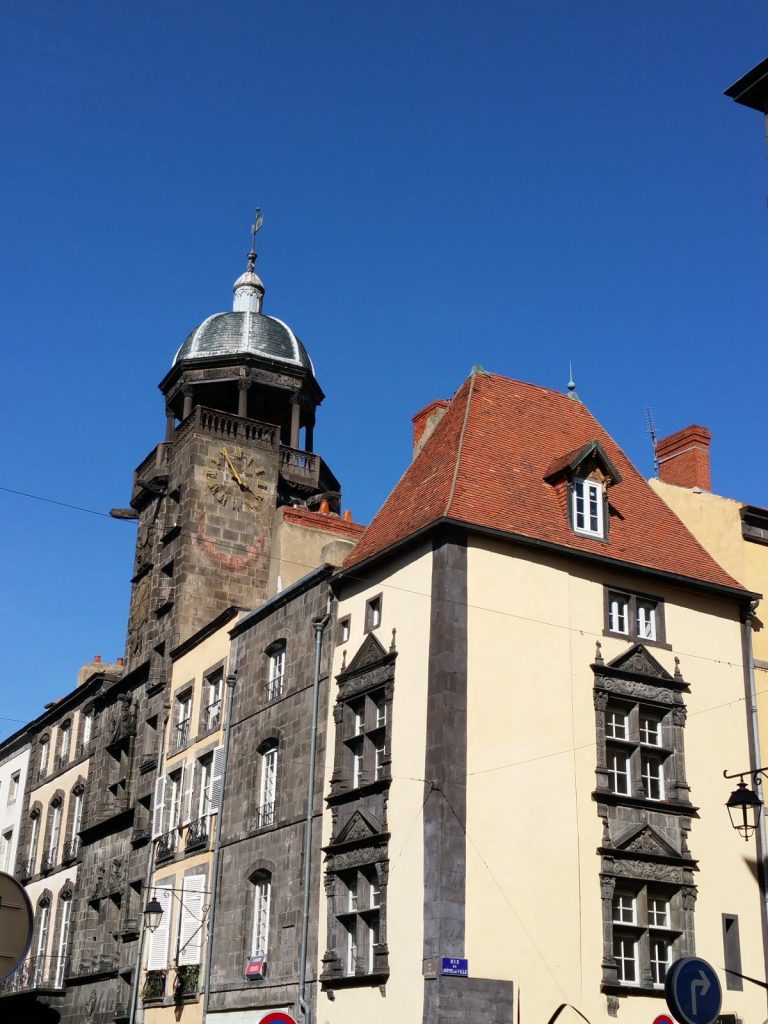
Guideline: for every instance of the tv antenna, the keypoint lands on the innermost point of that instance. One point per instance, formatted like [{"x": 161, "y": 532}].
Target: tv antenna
[{"x": 652, "y": 434}]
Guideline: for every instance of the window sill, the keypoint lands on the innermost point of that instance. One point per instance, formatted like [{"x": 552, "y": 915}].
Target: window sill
[
  {"x": 629, "y": 639},
  {"x": 670, "y": 806},
  {"x": 620, "y": 989},
  {"x": 355, "y": 980}
]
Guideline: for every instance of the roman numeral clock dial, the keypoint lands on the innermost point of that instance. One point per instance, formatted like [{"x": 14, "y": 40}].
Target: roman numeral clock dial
[{"x": 235, "y": 481}]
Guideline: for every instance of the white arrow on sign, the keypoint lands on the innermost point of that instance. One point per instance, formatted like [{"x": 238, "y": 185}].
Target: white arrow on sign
[{"x": 701, "y": 986}]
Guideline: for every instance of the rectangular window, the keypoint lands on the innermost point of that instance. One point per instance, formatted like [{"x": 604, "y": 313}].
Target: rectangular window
[
  {"x": 732, "y": 953},
  {"x": 618, "y": 620},
  {"x": 206, "y": 784},
  {"x": 618, "y": 772},
  {"x": 378, "y": 760},
  {"x": 373, "y": 939},
  {"x": 634, "y": 616},
  {"x": 5, "y": 851},
  {"x": 381, "y": 711},
  {"x": 358, "y": 710},
  {"x": 623, "y": 908},
  {"x": 183, "y": 716},
  {"x": 374, "y": 895},
  {"x": 650, "y": 730},
  {"x": 652, "y": 773},
  {"x": 53, "y": 842},
  {"x": 213, "y": 708},
  {"x": 352, "y": 894},
  {"x": 616, "y": 724},
  {"x": 658, "y": 912},
  {"x": 262, "y": 899},
  {"x": 351, "y": 948},
  {"x": 13, "y": 789},
  {"x": 588, "y": 507},
  {"x": 357, "y": 763},
  {"x": 174, "y": 816},
  {"x": 373, "y": 613},
  {"x": 659, "y": 959},
  {"x": 65, "y": 735},
  {"x": 344, "y": 627},
  {"x": 87, "y": 730},
  {"x": 646, "y": 620},
  {"x": 625, "y": 953}
]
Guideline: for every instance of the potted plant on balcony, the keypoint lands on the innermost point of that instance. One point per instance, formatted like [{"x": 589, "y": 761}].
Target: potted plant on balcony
[{"x": 187, "y": 982}]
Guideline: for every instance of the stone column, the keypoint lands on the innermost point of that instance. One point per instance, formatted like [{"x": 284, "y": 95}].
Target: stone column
[
  {"x": 295, "y": 422},
  {"x": 309, "y": 438},
  {"x": 170, "y": 422},
  {"x": 188, "y": 393},
  {"x": 243, "y": 387}
]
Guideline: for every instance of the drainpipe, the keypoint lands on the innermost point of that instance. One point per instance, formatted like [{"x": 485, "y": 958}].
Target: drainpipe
[
  {"x": 150, "y": 870},
  {"x": 753, "y": 733},
  {"x": 231, "y": 680},
  {"x": 319, "y": 627}
]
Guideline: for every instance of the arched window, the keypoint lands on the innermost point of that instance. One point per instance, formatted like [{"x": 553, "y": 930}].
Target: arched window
[
  {"x": 276, "y": 669},
  {"x": 54, "y": 834},
  {"x": 62, "y": 941},
  {"x": 40, "y": 939},
  {"x": 265, "y": 814},
  {"x": 30, "y": 862},
  {"x": 72, "y": 844},
  {"x": 65, "y": 743},
  {"x": 45, "y": 749},
  {"x": 262, "y": 899}
]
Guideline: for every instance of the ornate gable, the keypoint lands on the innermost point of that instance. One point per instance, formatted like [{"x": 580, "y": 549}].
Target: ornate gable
[
  {"x": 645, "y": 839},
  {"x": 638, "y": 661},
  {"x": 361, "y": 827},
  {"x": 369, "y": 653}
]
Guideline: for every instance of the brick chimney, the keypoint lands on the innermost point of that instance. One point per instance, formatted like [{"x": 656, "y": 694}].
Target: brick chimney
[
  {"x": 684, "y": 458},
  {"x": 424, "y": 423}
]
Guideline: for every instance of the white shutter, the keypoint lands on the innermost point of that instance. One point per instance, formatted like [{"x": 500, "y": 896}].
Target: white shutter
[
  {"x": 189, "y": 782},
  {"x": 158, "y": 808},
  {"x": 191, "y": 921},
  {"x": 157, "y": 947},
  {"x": 217, "y": 781}
]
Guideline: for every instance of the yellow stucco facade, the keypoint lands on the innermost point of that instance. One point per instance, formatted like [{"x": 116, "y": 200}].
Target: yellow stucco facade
[{"x": 533, "y": 909}]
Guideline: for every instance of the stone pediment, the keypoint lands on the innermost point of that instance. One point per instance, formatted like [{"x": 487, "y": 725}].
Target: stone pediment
[
  {"x": 640, "y": 662},
  {"x": 646, "y": 839},
  {"x": 361, "y": 826},
  {"x": 369, "y": 653}
]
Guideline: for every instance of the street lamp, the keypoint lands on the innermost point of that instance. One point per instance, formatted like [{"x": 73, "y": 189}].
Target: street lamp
[
  {"x": 153, "y": 912},
  {"x": 744, "y": 805}
]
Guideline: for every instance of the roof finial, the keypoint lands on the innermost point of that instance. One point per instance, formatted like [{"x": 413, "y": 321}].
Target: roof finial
[
  {"x": 258, "y": 220},
  {"x": 572, "y": 392}
]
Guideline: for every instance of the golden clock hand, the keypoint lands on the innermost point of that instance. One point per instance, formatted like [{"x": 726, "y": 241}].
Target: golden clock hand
[{"x": 235, "y": 475}]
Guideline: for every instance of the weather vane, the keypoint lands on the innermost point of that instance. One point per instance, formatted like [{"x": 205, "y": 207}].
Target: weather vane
[{"x": 258, "y": 220}]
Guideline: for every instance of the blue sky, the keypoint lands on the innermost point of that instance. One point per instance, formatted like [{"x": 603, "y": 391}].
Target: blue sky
[{"x": 512, "y": 184}]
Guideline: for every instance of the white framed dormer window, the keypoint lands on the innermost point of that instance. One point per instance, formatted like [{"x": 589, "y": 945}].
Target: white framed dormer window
[{"x": 587, "y": 507}]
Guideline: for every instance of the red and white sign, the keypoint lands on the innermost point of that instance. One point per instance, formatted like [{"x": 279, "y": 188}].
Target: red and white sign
[
  {"x": 277, "y": 1017},
  {"x": 663, "y": 1018}
]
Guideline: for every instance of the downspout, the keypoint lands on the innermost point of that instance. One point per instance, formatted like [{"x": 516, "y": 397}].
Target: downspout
[
  {"x": 150, "y": 869},
  {"x": 231, "y": 680},
  {"x": 319, "y": 627},
  {"x": 761, "y": 836}
]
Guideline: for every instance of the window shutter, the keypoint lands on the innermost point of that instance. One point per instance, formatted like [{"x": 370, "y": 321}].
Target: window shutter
[
  {"x": 191, "y": 923},
  {"x": 217, "y": 781},
  {"x": 158, "y": 808},
  {"x": 189, "y": 781},
  {"x": 157, "y": 949}
]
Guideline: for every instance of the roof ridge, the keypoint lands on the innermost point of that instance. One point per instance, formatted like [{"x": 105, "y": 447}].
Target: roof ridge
[{"x": 460, "y": 445}]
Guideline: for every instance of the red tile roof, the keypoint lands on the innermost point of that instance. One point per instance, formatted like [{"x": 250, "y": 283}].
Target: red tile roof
[{"x": 485, "y": 466}]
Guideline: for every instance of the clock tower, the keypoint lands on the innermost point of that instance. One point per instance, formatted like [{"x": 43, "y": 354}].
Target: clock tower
[{"x": 240, "y": 401}]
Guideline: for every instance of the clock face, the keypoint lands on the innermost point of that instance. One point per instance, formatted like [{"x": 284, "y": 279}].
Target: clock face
[{"x": 234, "y": 479}]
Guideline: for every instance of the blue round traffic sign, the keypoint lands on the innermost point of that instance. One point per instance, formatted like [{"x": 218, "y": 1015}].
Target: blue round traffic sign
[{"x": 693, "y": 991}]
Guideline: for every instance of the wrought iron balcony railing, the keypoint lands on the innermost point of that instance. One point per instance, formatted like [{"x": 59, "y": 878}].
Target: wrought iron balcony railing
[
  {"x": 167, "y": 844},
  {"x": 36, "y": 972},
  {"x": 181, "y": 734},
  {"x": 275, "y": 687},
  {"x": 71, "y": 850},
  {"x": 265, "y": 815},
  {"x": 197, "y": 834}
]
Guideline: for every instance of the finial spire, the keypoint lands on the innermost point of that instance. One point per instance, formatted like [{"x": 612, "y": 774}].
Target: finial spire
[
  {"x": 248, "y": 289},
  {"x": 258, "y": 220},
  {"x": 572, "y": 392}
]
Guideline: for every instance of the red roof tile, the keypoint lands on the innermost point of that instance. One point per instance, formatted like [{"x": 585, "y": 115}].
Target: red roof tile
[
  {"x": 485, "y": 466},
  {"x": 323, "y": 521}
]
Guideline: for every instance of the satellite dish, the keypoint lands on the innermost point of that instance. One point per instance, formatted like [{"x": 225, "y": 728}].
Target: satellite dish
[{"x": 15, "y": 924}]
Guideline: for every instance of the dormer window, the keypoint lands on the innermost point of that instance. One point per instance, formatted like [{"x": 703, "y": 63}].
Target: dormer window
[
  {"x": 584, "y": 476},
  {"x": 588, "y": 507}
]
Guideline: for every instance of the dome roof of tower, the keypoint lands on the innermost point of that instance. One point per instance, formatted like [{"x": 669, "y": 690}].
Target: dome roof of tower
[{"x": 245, "y": 333}]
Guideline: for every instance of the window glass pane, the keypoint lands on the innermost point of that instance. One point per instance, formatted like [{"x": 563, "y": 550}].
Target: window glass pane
[
  {"x": 260, "y": 936},
  {"x": 660, "y": 949},
  {"x": 351, "y": 947},
  {"x": 352, "y": 893},
  {"x": 650, "y": 730},
  {"x": 646, "y": 620},
  {"x": 357, "y": 763},
  {"x": 624, "y": 908},
  {"x": 594, "y": 508},
  {"x": 625, "y": 953},
  {"x": 378, "y": 760},
  {"x": 381, "y": 711},
  {"x": 616, "y": 725},
  {"x": 653, "y": 778},
  {"x": 618, "y": 771},
  {"x": 658, "y": 912},
  {"x": 578, "y": 504},
  {"x": 618, "y": 620},
  {"x": 374, "y": 895}
]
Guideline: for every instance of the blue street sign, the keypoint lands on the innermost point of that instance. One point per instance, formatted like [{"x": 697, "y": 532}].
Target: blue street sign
[
  {"x": 693, "y": 991},
  {"x": 454, "y": 966}
]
